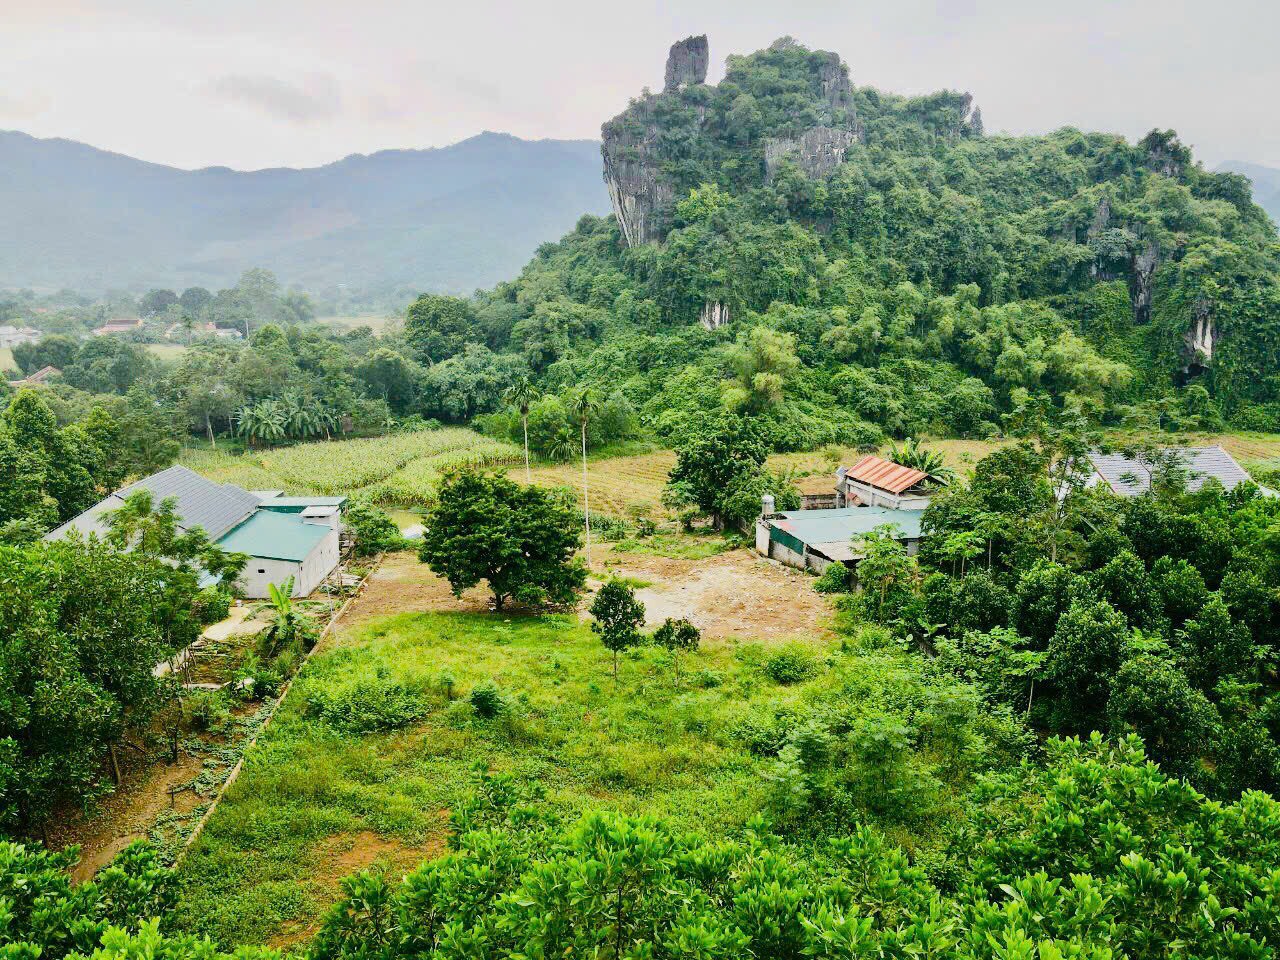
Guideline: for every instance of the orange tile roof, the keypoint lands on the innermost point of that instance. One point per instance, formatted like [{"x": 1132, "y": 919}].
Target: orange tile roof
[{"x": 885, "y": 474}]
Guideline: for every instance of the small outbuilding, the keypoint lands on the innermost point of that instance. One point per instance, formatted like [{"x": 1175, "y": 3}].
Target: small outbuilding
[
  {"x": 280, "y": 546},
  {"x": 876, "y": 482},
  {"x": 814, "y": 539}
]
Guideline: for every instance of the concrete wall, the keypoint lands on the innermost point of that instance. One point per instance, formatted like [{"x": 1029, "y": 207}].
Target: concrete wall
[{"x": 260, "y": 571}]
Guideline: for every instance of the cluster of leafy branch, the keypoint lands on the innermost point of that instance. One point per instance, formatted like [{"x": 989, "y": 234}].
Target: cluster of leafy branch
[{"x": 1080, "y": 610}]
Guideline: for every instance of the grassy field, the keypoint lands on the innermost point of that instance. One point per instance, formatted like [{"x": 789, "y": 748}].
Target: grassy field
[
  {"x": 320, "y": 798},
  {"x": 166, "y": 351},
  {"x": 377, "y": 321},
  {"x": 7, "y": 363},
  {"x": 400, "y": 468}
]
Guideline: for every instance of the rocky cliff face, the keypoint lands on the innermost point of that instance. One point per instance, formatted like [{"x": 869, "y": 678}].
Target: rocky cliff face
[
  {"x": 817, "y": 151},
  {"x": 637, "y": 160},
  {"x": 687, "y": 63},
  {"x": 640, "y": 194},
  {"x": 637, "y": 190}
]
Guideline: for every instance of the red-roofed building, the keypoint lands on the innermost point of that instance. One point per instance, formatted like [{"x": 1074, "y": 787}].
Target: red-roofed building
[
  {"x": 117, "y": 326},
  {"x": 38, "y": 379},
  {"x": 876, "y": 482}
]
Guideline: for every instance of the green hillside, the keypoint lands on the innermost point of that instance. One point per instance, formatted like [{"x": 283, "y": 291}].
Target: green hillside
[{"x": 846, "y": 260}]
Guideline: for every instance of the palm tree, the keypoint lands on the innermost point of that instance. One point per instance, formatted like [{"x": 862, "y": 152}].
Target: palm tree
[
  {"x": 584, "y": 406},
  {"x": 912, "y": 454},
  {"x": 521, "y": 394}
]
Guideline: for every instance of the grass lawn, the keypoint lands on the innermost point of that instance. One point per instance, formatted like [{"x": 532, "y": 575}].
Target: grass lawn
[{"x": 318, "y": 800}]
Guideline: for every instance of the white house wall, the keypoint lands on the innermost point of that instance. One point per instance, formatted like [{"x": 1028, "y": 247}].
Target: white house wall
[
  {"x": 318, "y": 565},
  {"x": 259, "y": 572}
]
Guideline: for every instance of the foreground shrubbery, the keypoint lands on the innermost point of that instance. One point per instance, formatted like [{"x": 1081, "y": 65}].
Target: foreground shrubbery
[{"x": 1097, "y": 854}]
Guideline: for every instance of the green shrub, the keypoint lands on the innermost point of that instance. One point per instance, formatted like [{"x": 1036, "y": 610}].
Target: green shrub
[
  {"x": 609, "y": 529},
  {"x": 368, "y": 706},
  {"x": 792, "y": 664},
  {"x": 487, "y": 699},
  {"x": 205, "y": 709},
  {"x": 374, "y": 530},
  {"x": 211, "y": 605},
  {"x": 835, "y": 579}
]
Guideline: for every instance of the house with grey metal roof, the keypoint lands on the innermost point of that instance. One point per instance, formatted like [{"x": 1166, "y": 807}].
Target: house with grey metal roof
[
  {"x": 1131, "y": 477},
  {"x": 299, "y": 540}
]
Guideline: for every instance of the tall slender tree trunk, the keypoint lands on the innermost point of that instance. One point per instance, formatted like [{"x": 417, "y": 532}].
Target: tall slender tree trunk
[
  {"x": 208, "y": 425},
  {"x": 586, "y": 501},
  {"x": 524, "y": 423}
]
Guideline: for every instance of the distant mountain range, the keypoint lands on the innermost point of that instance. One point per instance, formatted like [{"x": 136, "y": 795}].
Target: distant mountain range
[
  {"x": 1266, "y": 184},
  {"x": 447, "y": 219}
]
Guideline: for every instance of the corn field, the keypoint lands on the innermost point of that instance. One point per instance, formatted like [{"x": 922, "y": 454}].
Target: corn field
[{"x": 396, "y": 469}]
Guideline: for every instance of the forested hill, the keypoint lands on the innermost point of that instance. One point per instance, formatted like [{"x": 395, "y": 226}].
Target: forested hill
[
  {"x": 836, "y": 257},
  {"x": 1266, "y": 184},
  {"x": 453, "y": 218}
]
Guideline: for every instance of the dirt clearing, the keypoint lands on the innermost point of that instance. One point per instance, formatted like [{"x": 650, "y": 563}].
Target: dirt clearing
[{"x": 734, "y": 594}]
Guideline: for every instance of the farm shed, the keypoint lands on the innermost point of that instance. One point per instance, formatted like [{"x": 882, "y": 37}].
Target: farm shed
[
  {"x": 876, "y": 482},
  {"x": 813, "y": 539},
  {"x": 280, "y": 543}
]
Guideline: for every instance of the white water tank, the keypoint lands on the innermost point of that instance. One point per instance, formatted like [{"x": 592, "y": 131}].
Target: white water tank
[{"x": 767, "y": 505}]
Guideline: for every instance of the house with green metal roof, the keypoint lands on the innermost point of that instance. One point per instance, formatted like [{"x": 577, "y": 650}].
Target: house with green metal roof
[
  {"x": 814, "y": 539},
  {"x": 280, "y": 546}
]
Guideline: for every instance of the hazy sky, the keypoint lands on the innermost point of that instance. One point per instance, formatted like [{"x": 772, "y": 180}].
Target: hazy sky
[{"x": 256, "y": 83}]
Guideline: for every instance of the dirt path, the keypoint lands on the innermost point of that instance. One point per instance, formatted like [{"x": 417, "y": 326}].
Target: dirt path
[{"x": 128, "y": 814}]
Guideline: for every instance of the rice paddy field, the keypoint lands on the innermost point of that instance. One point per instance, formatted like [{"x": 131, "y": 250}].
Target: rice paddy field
[{"x": 398, "y": 469}]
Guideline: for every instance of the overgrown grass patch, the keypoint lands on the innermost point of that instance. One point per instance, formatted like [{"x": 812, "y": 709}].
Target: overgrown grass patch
[{"x": 383, "y": 733}]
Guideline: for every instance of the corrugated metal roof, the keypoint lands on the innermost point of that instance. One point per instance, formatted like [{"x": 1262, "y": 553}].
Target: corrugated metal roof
[
  {"x": 815, "y": 527},
  {"x": 885, "y": 474},
  {"x": 1201, "y": 462},
  {"x": 214, "y": 507},
  {"x": 275, "y": 536}
]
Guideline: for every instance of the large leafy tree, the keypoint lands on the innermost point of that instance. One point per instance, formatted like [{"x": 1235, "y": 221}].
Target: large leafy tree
[
  {"x": 716, "y": 456},
  {"x": 519, "y": 540},
  {"x": 82, "y": 627},
  {"x": 438, "y": 326}
]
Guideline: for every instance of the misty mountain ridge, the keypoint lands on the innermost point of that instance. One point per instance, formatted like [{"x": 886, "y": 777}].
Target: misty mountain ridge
[
  {"x": 1266, "y": 184},
  {"x": 448, "y": 218}
]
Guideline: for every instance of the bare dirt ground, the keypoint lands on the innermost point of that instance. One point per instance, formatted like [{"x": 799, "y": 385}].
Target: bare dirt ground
[
  {"x": 403, "y": 584},
  {"x": 738, "y": 594},
  {"x": 735, "y": 594},
  {"x": 128, "y": 814},
  {"x": 347, "y": 853}
]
